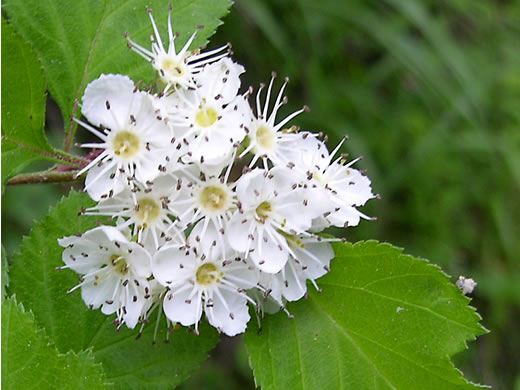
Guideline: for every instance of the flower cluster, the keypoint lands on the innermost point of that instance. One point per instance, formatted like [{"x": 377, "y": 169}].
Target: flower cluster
[{"x": 216, "y": 204}]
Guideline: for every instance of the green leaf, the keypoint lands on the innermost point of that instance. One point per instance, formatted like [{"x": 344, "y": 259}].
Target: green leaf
[
  {"x": 78, "y": 41},
  {"x": 5, "y": 273},
  {"x": 29, "y": 361},
  {"x": 23, "y": 105},
  {"x": 384, "y": 320},
  {"x": 128, "y": 363}
]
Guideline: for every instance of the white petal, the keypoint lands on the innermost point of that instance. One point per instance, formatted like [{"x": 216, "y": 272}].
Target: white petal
[
  {"x": 216, "y": 152},
  {"x": 294, "y": 284},
  {"x": 134, "y": 304},
  {"x": 307, "y": 153},
  {"x": 267, "y": 255},
  {"x": 353, "y": 188},
  {"x": 95, "y": 293},
  {"x": 241, "y": 273},
  {"x": 273, "y": 284},
  {"x": 76, "y": 260},
  {"x": 282, "y": 179},
  {"x": 297, "y": 209},
  {"x": 205, "y": 242},
  {"x": 139, "y": 260},
  {"x": 98, "y": 186},
  {"x": 179, "y": 307},
  {"x": 66, "y": 241},
  {"x": 319, "y": 224},
  {"x": 91, "y": 250},
  {"x": 345, "y": 214},
  {"x": 237, "y": 232},
  {"x": 164, "y": 185},
  {"x": 149, "y": 168},
  {"x": 106, "y": 235},
  {"x": 118, "y": 91},
  {"x": 221, "y": 78},
  {"x": 229, "y": 312},
  {"x": 316, "y": 257},
  {"x": 171, "y": 266}
]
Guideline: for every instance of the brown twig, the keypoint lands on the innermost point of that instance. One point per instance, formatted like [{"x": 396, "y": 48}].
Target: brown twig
[{"x": 44, "y": 177}]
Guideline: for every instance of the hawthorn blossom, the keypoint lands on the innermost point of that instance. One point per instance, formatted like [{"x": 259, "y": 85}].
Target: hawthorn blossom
[
  {"x": 215, "y": 205},
  {"x": 146, "y": 209},
  {"x": 309, "y": 260},
  {"x": 209, "y": 199},
  {"x": 268, "y": 140},
  {"x": 212, "y": 116},
  {"x": 175, "y": 68},
  {"x": 201, "y": 280},
  {"x": 134, "y": 139},
  {"x": 336, "y": 182},
  {"x": 113, "y": 272},
  {"x": 271, "y": 205}
]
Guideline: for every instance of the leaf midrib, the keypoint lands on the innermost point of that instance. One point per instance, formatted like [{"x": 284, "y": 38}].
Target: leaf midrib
[
  {"x": 406, "y": 303},
  {"x": 353, "y": 342},
  {"x": 346, "y": 333}
]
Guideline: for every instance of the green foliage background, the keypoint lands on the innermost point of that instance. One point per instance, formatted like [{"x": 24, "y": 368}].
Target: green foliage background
[{"x": 429, "y": 93}]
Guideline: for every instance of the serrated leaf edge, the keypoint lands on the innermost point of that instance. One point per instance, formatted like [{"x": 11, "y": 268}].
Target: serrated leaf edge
[{"x": 40, "y": 331}]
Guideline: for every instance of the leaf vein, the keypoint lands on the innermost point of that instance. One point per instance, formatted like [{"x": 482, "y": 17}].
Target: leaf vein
[
  {"x": 427, "y": 309},
  {"x": 353, "y": 342}
]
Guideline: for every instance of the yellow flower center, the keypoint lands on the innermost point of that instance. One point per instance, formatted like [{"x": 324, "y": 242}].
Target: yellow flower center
[
  {"x": 206, "y": 117},
  {"x": 292, "y": 240},
  {"x": 264, "y": 210},
  {"x": 208, "y": 274},
  {"x": 147, "y": 210},
  {"x": 125, "y": 144},
  {"x": 214, "y": 198},
  {"x": 265, "y": 137},
  {"x": 173, "y": 67},
  {"x": 119, "y": 264}
]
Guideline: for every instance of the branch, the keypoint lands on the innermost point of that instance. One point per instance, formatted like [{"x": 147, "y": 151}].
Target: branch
[
  {"x": 57, "y": 155},
  {"x": 44, "y": 177}
]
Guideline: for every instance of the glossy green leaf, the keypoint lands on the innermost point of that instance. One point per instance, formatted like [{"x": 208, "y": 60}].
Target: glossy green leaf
[
  {"x": 383, "y": 321},
  {"x": 128, "y": 363},
  {"x": 30, "y": 361},
  {"x": 78, "y": 41},
  {"x": 23, "y": 105}
]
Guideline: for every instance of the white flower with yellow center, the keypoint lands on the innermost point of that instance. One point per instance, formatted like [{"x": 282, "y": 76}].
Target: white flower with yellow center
[
  {"x": 135, "y": 141},
  {"x": 113, "y": 272},
  {"x": 268, "y": 140},
  {"x": 208, "y": 199},
  {"x": 175, "y": 68},
  {"x": 272, "y": 205},
  {"x": 147, "y": 210},
  {"x": 211, "y": 117},
  {"x": 202, "y": 279},
  {"x": 342, "y": 187}
]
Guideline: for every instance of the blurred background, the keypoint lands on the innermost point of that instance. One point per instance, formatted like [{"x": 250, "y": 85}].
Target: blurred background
[{"x": 429, "y": 93}]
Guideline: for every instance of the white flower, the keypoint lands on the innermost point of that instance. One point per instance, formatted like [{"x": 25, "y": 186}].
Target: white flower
[
  {"x": 267, "y": 139},
  {"x": 175, "y": 68},
  {"x": 272, "y": 205},
  {"x": 113, "y": 272},
  {"x": 309, "y": 260},
  {"x": 135, "y": 140},
  {"x": 208, "y": 282},
  {"x": 208, "y": 199},
  {"x": 146, "y": 209},
  {"x": 343, "y": 188},
  {"x": 211, "y": 117}
]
